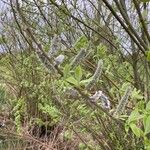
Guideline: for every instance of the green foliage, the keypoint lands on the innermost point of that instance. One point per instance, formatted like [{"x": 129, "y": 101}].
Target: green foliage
[
  {"x": 82, "y": 146},
  {"x": 136, "y": 95},
  {"x": 137, "y": 131},
  {"x": 68, "y": 135},
  {"x": 66, "y": 70},
  {"x": 100, "y": 52},
  {"x": 82, "y": 42},
  {"x": 19, "y": 111},
  {"x": 75, "y": 78},
  {"x": 78, "y": 74},
  {"x": 148, "y": 55},
  {"x": 52, "y": 111},
  {"x": 145, "y": 1},
  {"x": 148, "y": 107},
  {"x": 139, "y": 122},
  {"x": 36, "y": 94},
  {"x": 147, "y": 124},
  {"x": 42, "y": 91}
]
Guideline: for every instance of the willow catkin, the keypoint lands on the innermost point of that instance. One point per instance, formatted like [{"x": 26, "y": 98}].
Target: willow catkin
[
  {"x": 78, "y": 58},
  {"x": 100, "y": 96},
  {"x": 96, "y": 75},
  {"x": 123, "y": 102},
  {"x": 96, "y": 96},
  {"x": 105, "y": 101},
  {"x": 59, "y": 59},
  {"x": 46, "y": 63}
]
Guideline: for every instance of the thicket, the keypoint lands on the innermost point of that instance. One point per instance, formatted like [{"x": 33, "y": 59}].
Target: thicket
[{"x": 75, "y": 75}]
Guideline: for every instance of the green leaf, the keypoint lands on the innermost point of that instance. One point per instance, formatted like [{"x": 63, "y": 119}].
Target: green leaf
[
  {"x": 68, "y": 134},
  {"x": 66, "y": 70},
  {"x": 137, "y": 131},
  {"x": 147, "y": 147},
  {"x": 136, "y": 94},
  {"x": 81, "y": 42},
  {"x": 82, "y": 146},
  {"x": 83, "y": 82},
  {"x": 78, "y": 73},
  {"x": 144, "y": 120},
  {"x": 147, "y": 125},
  {"x": 134, "y": 116},
  {"x": 141, "y": 105},
  {"x": 72, "y": 80},
  {"x": 145, "y": 1},
  {"x": 126, "y": 128},
  {"x": 148, "y": 106},
  {"x": 148, "y": 55}
]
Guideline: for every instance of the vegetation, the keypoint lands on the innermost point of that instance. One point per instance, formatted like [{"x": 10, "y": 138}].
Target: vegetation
[{"x": 75, "y": 75}]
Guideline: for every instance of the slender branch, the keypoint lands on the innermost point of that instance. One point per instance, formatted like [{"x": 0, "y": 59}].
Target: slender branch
[
  {"x": 82, "y": 22},
  {"x": 124, "y": 26},
  {"x": 141, "y": 20},
  {"x": 130, "y": 25}
]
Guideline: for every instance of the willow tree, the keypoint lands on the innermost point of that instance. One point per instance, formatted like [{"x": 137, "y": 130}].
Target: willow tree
[{"x": 86, "y": 50}]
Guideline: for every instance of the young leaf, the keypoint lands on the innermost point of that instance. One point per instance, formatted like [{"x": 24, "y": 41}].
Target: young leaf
[
  {"x": 134, "y": 116},
  {"x": 136, "y": 94},
  {"x": 147, "y": 125},
  {"x": 127, "y": 128},
  {"x": 144, "y": 120},
  {"x": 72, "y": 80},
  {"x": 148, "y": 55},
  {"x": 83, "y": 82},
  {"x": 81, "y": 42},
  {"x": 145, "y": 1},
  {"x": 66, "y": 70},
  {"x": 78, "y": 73},
  {"x": 137, "y": 131},
  {"x": 148, "y": 106}
]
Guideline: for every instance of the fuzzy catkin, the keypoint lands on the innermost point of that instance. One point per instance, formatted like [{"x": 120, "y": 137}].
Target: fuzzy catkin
[
  {"x": 99, "y": 95},
  {"x": 123, "y": 102},
  {"x": 59, "y": 59},
  {"x": 45, "y": 61},
  {"x": 78, "y": 58},
  {"x": 96, "y": 96},
  {"x": 96, "y": 75},
  {"x": 105, "y": 101}
]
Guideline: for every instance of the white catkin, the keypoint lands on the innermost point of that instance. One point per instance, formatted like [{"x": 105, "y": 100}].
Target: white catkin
[
  {"x": 105, "y": 101},
  {"x": 45, "y": 61},
  {"x": 96, "y": 75},
  {"x": 59, "y": 60},
  {"x": 96, "y": 96},
  {"x": 123, "y": 102},
  {"x": 78, "y": 58},
  {"x": 100, "y": 96}
]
